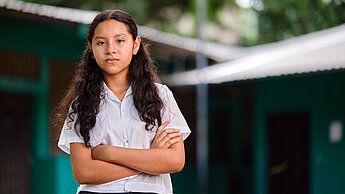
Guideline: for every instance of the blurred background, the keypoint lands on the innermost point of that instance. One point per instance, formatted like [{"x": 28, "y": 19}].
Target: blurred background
[{"x": 260, "y": 83}]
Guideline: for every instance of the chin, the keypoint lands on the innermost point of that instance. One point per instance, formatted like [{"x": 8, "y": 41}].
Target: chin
[{"x": 114, "y": 72}]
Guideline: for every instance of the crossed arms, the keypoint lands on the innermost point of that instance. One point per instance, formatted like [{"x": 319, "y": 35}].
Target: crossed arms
[{"x": 107, "y": 163}]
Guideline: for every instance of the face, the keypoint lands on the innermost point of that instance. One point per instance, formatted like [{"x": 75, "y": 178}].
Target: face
[{"x": 113, "y": 48}]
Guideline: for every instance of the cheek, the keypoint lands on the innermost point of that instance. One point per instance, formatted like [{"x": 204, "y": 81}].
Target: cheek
[
  {"x": 100, "y": 63},
  {"x": 130, "y": 57},
  {"x": 96, "y": 50},
  {"x": 97, "y": 57},
  {"x": 98, "y": 60},
  {"x": 129, "y": 54}
]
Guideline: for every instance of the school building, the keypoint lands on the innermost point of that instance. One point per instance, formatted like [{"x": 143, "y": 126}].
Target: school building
[
  {"x": 270, "y": 128},
  {"x": 276, "y": 116}
]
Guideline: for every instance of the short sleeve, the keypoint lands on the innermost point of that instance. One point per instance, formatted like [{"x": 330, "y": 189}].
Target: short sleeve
[
  {"x": 69, "y": 135},
  {"x": 172, "y": 113}
]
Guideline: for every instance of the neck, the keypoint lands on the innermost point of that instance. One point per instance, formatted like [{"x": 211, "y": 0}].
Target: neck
[
  {"x": 115, "y": 83},
  {"x": 118, "y": 85}
]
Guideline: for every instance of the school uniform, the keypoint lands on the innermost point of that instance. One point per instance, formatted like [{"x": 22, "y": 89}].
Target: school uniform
[{"x": 118, "y": 124}]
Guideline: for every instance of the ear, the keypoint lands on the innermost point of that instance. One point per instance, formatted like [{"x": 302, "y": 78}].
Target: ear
[
  {"x": 91, "y": 49},
  {"x": 89, "y": 46},
  {"x": 136, "y": 46}
]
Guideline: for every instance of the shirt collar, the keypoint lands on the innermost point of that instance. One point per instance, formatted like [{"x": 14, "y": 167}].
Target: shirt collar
[{"x": 110, "y": 94}]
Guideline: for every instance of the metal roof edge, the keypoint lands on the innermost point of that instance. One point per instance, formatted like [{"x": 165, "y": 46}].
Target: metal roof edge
[
  {"x": 263, "y": 55},
  {"x": 293, "y": 40},
  {"x": 216, "y": 51}
]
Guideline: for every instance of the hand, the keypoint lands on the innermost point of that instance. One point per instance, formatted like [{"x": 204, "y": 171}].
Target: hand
[{"x": 165, "y": 139}]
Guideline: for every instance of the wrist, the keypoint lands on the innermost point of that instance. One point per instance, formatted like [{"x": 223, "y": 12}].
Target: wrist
[
  {"x": 111, "y": 153},
  {"x": 101, "y": 152}
]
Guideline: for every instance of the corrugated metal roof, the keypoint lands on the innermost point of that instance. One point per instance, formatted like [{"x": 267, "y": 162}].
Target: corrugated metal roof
[
  {"x": 215, "y": 51},
  {"x": 318, "y": 51},
  {"x": 60, "y": 13}
]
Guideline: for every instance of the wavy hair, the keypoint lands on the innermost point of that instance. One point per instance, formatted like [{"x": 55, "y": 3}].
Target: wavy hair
[{"x": 86, "y": 91}]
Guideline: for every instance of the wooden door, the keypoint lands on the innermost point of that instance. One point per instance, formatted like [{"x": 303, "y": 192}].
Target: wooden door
[
  {"x": 288, "y": 150},
  {"x": 15, "y": 127}
]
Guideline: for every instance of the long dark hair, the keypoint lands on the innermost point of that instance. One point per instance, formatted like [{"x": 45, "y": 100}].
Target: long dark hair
[{"x": 86, "y": 90}]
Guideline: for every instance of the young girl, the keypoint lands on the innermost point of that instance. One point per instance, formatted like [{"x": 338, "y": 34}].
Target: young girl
[{"x": 112, "y": 115}]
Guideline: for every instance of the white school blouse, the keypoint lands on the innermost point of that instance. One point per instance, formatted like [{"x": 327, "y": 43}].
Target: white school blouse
[{"x": 118, "y": 124}]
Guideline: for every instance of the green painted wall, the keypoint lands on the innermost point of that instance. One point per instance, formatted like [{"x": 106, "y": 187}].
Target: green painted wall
[
  {"x": 64, "y": 179},
  {"x": 322, "y": 95},
  {"x": 53, "y": 40},
  {"x": 49, "y": 174},
  {"x": 185, "y": 181},
  {"x": 230, "y": 125}
]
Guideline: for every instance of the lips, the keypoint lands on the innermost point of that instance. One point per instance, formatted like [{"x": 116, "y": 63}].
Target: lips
[{"x": 112, "y": 60}]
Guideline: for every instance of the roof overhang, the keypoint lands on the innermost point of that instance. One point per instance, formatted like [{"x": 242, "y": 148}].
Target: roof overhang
[
  {"x": 318, "y": 51},
  {"x": 175, "y": 43}
]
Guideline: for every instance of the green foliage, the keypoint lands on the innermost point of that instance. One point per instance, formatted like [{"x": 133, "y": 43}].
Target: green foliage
[
  {"x": 278, "y": 20},
  {"x": 284, "y": 19},
  {"x": 142, "y": 10}
]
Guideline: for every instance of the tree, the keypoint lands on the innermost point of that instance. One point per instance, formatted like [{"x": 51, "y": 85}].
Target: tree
[
  {"x": 271, "y": 21},
  {"x": 284, "y": 19}
]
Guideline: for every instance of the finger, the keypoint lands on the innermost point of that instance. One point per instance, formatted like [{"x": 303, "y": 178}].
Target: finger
[
  {"x": 171, "y": 130},
  {"x": 160, "y": 128},
  {"x": 173, "y": 135},
  {"x": 162, "y": 141},
  {"x": 166, "y": 123},
  {"x": 170, "y": 136},
  {"x": 171, "y": 142},
  {"x": 167, "y": 143},
  {"x": 165, "y": 133}
]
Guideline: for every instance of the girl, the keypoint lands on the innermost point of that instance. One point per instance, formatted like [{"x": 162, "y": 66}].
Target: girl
[{"x": 112, "y": 114}]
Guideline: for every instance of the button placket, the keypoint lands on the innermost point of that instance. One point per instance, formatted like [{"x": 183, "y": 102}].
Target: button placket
[{"x": 125, "y": 140}]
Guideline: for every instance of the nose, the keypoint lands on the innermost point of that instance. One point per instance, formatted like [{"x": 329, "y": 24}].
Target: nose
[{"x": 111, "y": 49}]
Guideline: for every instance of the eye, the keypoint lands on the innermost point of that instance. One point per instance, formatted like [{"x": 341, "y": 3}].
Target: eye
[
  {"x": 100, "y": 43},
  {"x": 120, "y": 41}
]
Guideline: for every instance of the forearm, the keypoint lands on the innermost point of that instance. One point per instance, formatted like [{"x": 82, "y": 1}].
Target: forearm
[
  {"x": 152, "y": 161},
  {"x": 89, "y": 171},
  {"x": 103, "y": 172}
]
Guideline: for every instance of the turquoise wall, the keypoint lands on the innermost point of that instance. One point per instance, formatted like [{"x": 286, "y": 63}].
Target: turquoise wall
[
  {"x": 49, "y": 174},
  {"x": 230, "y": 132},
  {"x": 64, "y": 179},
  {"x": 322, "y": 95}
]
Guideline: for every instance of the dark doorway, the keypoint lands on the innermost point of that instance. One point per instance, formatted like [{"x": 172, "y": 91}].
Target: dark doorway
[
  {"x": 288, "y": 153},
  {"x": 15, "y": 125}
]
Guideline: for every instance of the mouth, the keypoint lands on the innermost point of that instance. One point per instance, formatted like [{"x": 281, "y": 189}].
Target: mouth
[{"x": 112, "y": 60}]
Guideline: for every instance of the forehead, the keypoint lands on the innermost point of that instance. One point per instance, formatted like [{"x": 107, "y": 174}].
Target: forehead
[{"x": 110, "y": 28}]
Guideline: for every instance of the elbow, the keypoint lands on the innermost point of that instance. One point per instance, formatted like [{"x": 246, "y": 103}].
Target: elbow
[
  {"x": 82, "y": 177},
  {"x": 178, "y": 161},
  {"x": 178, "y": 165}
]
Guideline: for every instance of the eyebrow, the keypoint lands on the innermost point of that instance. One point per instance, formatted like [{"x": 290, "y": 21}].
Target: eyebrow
[{"x": 117, "y": 35}]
